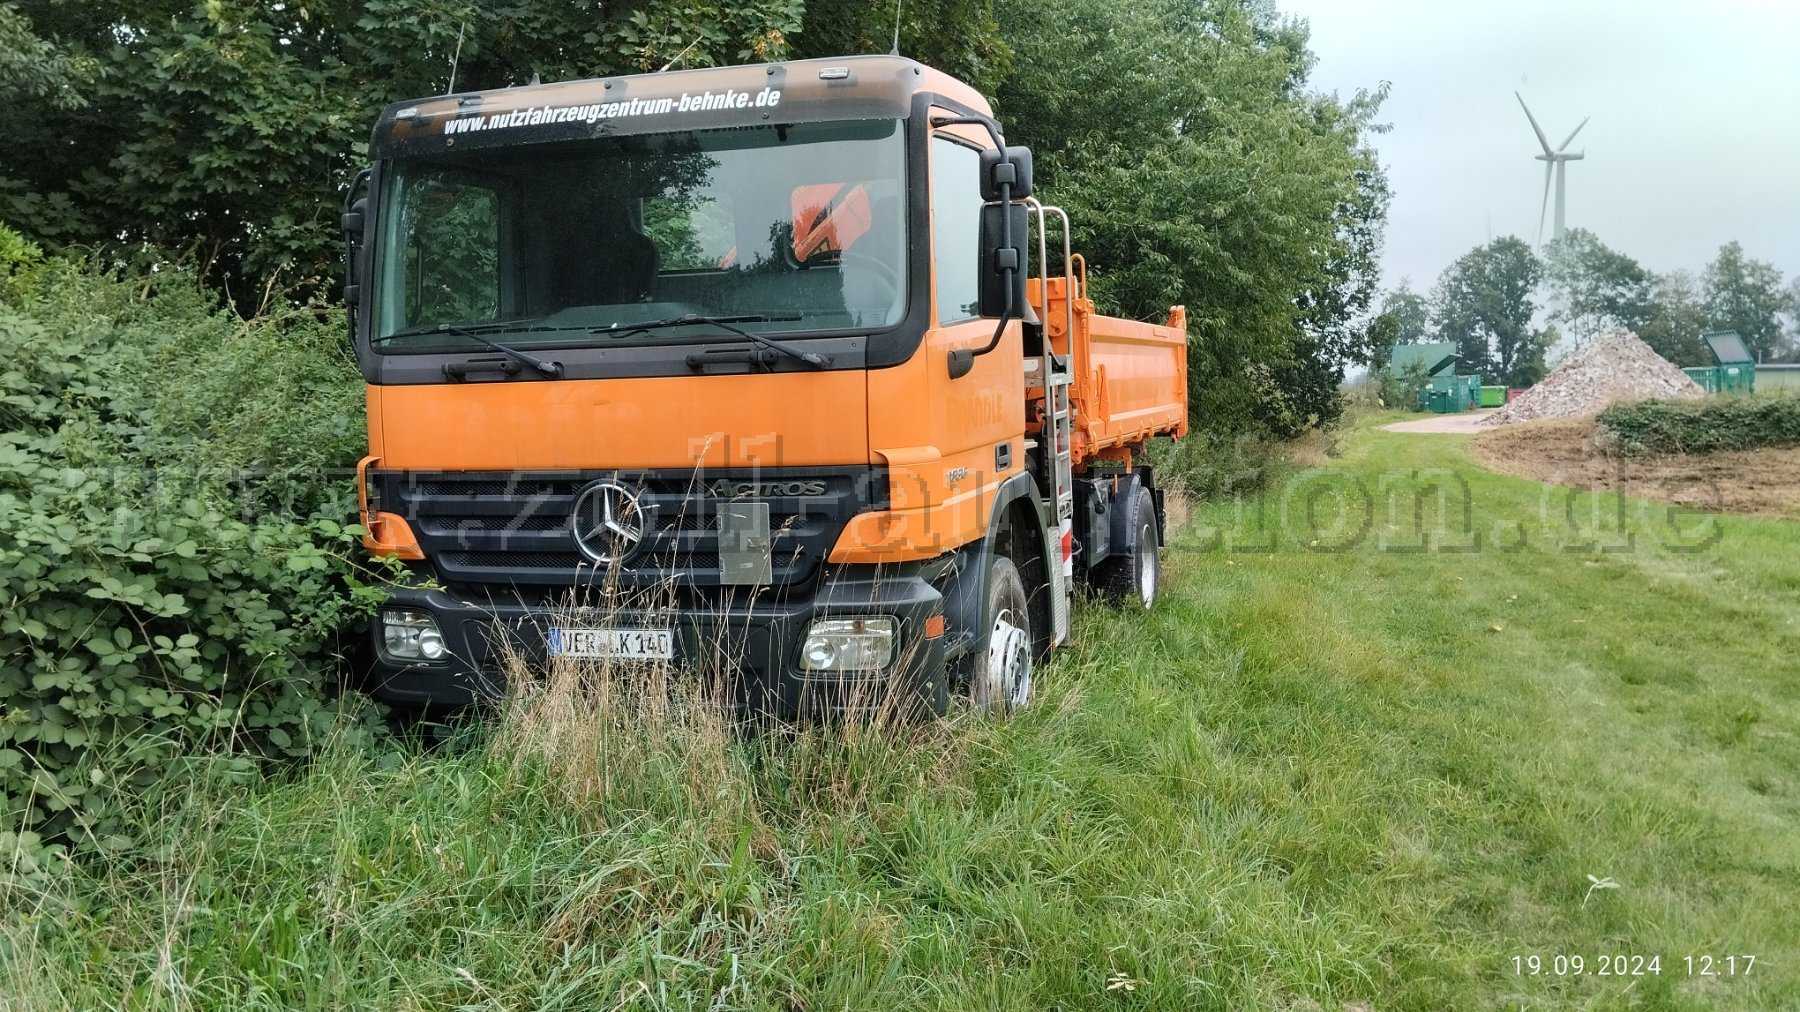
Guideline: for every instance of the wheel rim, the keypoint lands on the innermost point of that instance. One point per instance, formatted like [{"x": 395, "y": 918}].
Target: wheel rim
[
  {"x": 1007, "y": 678},
  {"x": 1146, "y": 552}
]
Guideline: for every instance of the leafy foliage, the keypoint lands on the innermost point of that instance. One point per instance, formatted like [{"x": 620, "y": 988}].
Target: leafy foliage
[
  {"x": 1676, "y": 319},
  {"x": 1405, "y": 318},
  {"x": 36, "y": 69},
  {"x": 1791, "y": 352},
  {"x": 1401, "y": 388},
  {"x": 157, "y": 596},
  {"x": 1744, "y": 294},
  {"x": 1198, "y": 170},
  {"x": 962, "y": 38},
  {"x": 1705, "y": 426},
  {"x": 1484, "y": 303},
  {"x": 233, "y": 126},
  {"x": 1598, "y": 289},
  {"x": 21, "y": 264}
]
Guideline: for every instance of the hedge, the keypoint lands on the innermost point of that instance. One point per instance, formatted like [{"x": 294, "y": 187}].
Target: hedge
[
  {"x": 175, "y": 553},
  {"x": 1703, "y": 426}
]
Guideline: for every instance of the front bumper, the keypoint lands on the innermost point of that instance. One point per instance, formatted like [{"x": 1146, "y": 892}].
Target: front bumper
[{"x": 752, "y": 639}]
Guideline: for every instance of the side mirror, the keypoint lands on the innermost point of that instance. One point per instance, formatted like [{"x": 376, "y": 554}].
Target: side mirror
[
  {"x": 1013, "y": 165},
  {"x": 353, "y": 222},
  {"x": 1005, "y": 232},
  {"x": 1005, "y": 239},
  {"x": 1005, "y": 267}
]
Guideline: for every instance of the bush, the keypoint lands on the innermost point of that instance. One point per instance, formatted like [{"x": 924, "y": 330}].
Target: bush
[
  {"x": 1209, "y": 465},
  {"x": 1400, "y": 388},
  {"x": 1705, "y": 426},
  {"x": 21, "y": 261},
  {"x": 159, "y": 595}
]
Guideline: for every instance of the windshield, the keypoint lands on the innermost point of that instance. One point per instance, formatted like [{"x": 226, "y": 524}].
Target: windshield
[{"x": 788, "y": 229}]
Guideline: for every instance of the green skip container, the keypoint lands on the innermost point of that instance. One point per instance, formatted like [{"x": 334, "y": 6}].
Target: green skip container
[{"x": 1493, "y": 397}]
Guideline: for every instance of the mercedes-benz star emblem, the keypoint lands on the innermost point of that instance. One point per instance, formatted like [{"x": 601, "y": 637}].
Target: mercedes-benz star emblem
[{"x": 608, "y": 522}]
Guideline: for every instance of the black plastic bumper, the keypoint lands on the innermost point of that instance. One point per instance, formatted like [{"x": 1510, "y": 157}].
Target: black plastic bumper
[{"x": 756, "y": 641}]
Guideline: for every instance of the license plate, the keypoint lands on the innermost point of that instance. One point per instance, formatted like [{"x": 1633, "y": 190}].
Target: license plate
[{"x": 634, "y": 644}]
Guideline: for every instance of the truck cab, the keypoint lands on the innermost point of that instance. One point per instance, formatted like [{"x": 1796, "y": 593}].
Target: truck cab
[{"x": 735, "y": 356}]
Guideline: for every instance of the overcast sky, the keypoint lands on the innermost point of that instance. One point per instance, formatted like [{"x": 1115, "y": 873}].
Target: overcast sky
[{"x": 1695, "y": 138}]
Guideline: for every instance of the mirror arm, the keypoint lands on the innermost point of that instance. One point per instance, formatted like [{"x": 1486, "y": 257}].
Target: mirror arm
[{"x": 963, "y": 359}]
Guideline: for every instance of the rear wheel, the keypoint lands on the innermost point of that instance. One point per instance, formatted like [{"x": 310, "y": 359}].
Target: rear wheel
[
  {"x": 1134, "y": 576},
  {"x": 999, "y": 669}
]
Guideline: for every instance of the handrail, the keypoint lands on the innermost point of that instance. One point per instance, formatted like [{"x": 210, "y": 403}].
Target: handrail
[
  {"x": 1068, "y": 284},
  {"x": 1043, "y": 212},
  {"x": 1033, "y": 206}
]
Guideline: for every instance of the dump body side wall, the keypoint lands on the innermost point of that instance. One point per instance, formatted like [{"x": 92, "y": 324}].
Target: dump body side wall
[
  {"x": 1130, "y": 377},
  {"x": 1132, "y": 384}
]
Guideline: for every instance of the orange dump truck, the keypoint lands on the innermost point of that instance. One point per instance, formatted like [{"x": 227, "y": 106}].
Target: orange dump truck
[{"x": 783, "y": 363}]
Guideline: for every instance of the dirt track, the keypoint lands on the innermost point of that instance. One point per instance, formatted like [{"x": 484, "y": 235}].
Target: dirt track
[
  {"x": 1758, "y": 482},
  {"x": 1465, "y": 421}
]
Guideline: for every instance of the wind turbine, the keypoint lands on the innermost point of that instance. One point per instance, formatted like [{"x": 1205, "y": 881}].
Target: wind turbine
[{"x": 1554, "y": 161}]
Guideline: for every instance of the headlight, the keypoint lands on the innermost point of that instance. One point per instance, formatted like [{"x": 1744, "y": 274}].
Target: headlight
[
  {"x": 411, "y": 635},
  {"x": 848, "y": 644}
]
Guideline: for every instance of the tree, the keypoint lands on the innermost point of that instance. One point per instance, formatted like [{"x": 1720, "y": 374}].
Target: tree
[
  {"x": 1790, "y": 352},
  {"x": 1597, "y": 289},
  {"x": 1745, "y": 295},
  {"x": 233, "y": 126},
  {"x": 1180, "y": 134},
  {"x": 958, "y": 37},
  {"x": 1197, "y": 169},
  {"x": 1405, "y": 318},
  {"x": 1401, "y": 388},
  {"x": 1483, "y": 302},
  {"x": 1411, "y": 312},
  {"x": 1676, "y": 319},
  {"x": 33, "y": 69}
]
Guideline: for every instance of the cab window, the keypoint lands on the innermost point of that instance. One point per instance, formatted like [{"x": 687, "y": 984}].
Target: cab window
[
  {"x": 450, "y": 262},
  {"x": 956, "y": 228}
]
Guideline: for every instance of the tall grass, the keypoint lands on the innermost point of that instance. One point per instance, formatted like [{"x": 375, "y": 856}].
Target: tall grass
[
  {"x": 600, "y": 804},
  {"x": 1316, "y": 777}
]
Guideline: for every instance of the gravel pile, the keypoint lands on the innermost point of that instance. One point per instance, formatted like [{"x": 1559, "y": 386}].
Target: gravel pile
[{"x": 1616, "y": 367}]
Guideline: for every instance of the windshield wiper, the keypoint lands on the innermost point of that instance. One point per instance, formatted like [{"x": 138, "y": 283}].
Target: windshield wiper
[
  {"x": 551, "y": 369},
  {"x": 812, "y": 358}
]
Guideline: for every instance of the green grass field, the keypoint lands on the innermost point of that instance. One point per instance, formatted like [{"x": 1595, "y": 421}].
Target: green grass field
[{"x": 1453, "y": 725}]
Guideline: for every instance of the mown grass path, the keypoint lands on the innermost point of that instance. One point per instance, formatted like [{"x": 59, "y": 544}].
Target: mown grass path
[
  {"x": 1407, "y": 735},
  {"x": 1362, "y": 760}
]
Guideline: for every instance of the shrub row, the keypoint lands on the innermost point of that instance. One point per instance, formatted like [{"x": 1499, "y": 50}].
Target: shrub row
[
  {"x": 1704, "y": 426},
  {"x": 161, "y": 591}
]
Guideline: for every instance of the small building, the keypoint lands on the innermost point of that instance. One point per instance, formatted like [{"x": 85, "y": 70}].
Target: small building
[
  {"x": 1444, "y": 391},
  {"x": 1778, "y": 377}
]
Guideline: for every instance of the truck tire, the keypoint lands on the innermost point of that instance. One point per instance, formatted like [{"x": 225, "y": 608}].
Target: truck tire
[
  {"x": 1133, "y": 577},
  {"x": 999, "y": 668}
]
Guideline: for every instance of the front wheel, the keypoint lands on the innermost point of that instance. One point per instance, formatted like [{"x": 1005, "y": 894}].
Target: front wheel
[
  {"x": 1000, "y": 667},
  {"x": 1135, "y": 575}
]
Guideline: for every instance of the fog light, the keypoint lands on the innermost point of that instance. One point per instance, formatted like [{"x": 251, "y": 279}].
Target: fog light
[
  {"x": 411, "y": 635},
  {"x": 848, "y": 644}
]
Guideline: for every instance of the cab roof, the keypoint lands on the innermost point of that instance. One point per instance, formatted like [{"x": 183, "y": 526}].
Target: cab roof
[{"x": 851, "y": 87}]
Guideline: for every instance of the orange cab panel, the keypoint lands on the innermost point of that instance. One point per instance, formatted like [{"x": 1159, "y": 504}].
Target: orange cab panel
[{"x": 789, "y": 419}]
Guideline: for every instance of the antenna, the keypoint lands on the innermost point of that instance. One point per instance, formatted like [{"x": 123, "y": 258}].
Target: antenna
[
  {"x": 679, "y": 55},
  {"x": 896, "y": 50},
  {"x": 456, "y": 57}
]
